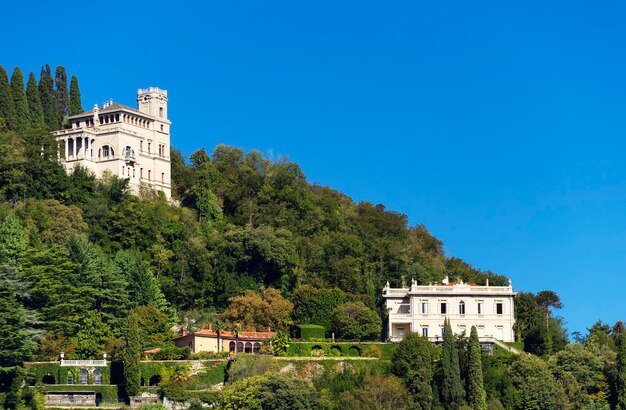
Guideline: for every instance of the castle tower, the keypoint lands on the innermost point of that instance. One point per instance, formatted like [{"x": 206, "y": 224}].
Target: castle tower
[{"x": 152, "y": 101}]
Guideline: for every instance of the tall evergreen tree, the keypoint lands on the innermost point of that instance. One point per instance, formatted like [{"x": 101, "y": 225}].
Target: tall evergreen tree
[
  {"x": 48, "y": 99},
  {"x": 476, "y": 396},
  {"x": 75, "y": 105},
  {"x": 16, "y": 322},
  {"x": 60, "y": 79},
  {"x": 132, "y": 356},
  {"x": 142, "y": 287},
  {"x": 7, "y": 106},
  {"x": 22, "y": 115},
  {"x": 451, "y": 389},
  {"x": 620, "y": 382},
  {"x": 99, "y": 283},
  {"x": 34, "y": 101}
]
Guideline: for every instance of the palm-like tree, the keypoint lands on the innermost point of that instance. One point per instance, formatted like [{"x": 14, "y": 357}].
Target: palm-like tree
[{"x": 218, "y": 325}]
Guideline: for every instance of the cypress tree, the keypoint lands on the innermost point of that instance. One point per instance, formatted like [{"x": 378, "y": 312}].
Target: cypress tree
[
  {"x": 60, "y": 79},
  {"x": 34, "y": 101},
  {"x": 620, "y": 382},
  {"x": 48, "y": 99},
  {"x": 451, "y": 389},
  {"x": 132, "y": 356},
  {"x": 476, "y": 396},
  {"x": 7, "y": 106},
  {"x": 22, "y": 114},
  {"x": 75, "y": 105}
]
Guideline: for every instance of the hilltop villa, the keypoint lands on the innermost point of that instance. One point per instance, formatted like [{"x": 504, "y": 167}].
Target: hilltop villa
[
  {"x": 130, "y": 143},
  {"x": 423, "y": 309}
]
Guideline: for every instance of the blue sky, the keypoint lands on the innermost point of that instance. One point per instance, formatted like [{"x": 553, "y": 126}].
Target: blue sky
[{"x": 499, "y": 126}]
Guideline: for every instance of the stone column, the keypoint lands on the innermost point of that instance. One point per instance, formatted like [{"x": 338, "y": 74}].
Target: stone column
[
  {"x": 85, "y": 142},
  {"x": 67, "y": 148},
  {"x": 74, "y": 147}
]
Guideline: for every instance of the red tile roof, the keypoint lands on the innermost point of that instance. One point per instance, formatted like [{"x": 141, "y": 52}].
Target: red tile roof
[{"x": 228, "y": 335}]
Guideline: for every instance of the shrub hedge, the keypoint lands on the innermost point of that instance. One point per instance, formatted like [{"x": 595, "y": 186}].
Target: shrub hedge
[
  {"x": 517, "y": 345},
  {"x": 110, "y": 394},
  {"x": 36, "y": 371},
  {"x": 363, "y": 349},
  {"x": 307, "y": 332}
]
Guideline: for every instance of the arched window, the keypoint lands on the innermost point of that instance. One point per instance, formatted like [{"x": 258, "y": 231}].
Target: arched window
[
  {"x": 97, "y": 376},
  {"x": 129, "y": 152},
  {"x": 248, "y": 347},
  {"x": 107, "y": 151},
  {"x": 231, "y": 347},
  {"x": 461, "y": 308},
  {"x": 239, "y": 347},
  {"x": 70, "y": 378},
  {"x": 83, "y": 376},
  {"x": 256, "y": 348},
  {"x": 160, "y": 112},
  {"x": 48, "y": 379}
]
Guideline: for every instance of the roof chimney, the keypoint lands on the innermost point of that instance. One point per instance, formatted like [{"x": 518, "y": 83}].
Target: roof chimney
[
  {"x": 183, "y": 330},
  {"x": 487, "y": 282}
]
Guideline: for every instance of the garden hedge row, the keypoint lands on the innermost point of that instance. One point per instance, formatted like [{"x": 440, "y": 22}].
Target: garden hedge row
[
  {"x": 339, "y": 349},
  {"x": 307, "y": 332}
]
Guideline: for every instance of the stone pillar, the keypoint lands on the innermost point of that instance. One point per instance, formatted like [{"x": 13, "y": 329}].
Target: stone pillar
[
  {"x": 67, "y": 148},
  {"x": 74, "y": 147},
  {"x": 85, "y": 142}
]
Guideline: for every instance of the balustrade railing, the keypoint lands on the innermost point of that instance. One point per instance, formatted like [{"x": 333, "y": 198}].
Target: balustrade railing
[{"x": 86, "y": 363}]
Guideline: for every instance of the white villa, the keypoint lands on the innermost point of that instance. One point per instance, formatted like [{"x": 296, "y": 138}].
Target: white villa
[
  {"x": 423, "y": 309},
  {"x": 130, "y": 143}
]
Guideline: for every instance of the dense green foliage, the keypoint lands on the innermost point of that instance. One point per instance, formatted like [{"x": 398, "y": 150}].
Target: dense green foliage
[
  {"x": 87, "y": 268},
  {"x": 275, "y": 391},
  {"x": 412, "y": 363},
  {"x": 536, "y": 385},
  {"x": 354, "y": 320}
]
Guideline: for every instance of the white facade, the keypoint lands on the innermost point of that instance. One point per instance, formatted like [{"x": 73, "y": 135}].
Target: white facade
[
  {"x": 130, "y": 143},
  {"x": 423, "y": 309}
]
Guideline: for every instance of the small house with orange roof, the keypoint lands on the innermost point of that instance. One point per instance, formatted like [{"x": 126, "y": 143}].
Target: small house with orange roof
[{"x": 208, "y": 340}]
